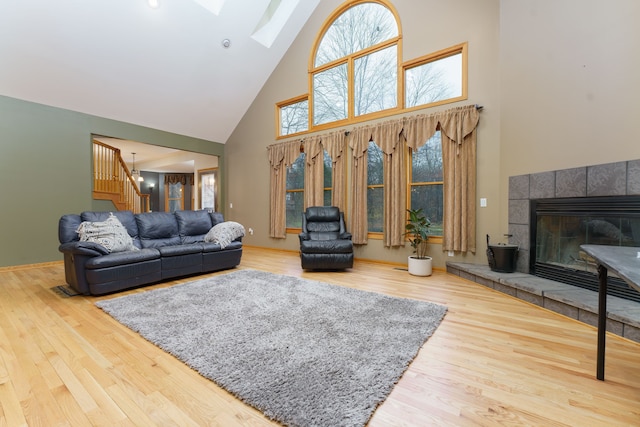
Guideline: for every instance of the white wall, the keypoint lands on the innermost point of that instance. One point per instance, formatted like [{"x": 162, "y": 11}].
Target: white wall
[{"x": 569, "y": 85}]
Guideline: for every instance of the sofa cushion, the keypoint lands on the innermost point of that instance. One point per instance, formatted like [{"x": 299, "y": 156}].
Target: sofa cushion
[
  {"x": 185, "y": 249},
  {"x": 224, "y": 233},
  {"x": 157, "y": 229},
  {"x": 193, "y": 225},
  {"x": 109, "y": 233},
  {"x": 122, "y": 258},
  {"x": 215, "y": 247},
  {"x": 216, "y": 218}
]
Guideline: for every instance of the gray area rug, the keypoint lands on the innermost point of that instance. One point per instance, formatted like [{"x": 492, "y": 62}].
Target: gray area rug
[{"x": 305, "y": 353}]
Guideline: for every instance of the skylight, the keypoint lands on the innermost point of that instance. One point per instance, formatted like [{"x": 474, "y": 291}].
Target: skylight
[
  {"x": 213, "y": 6},
  {"x": 273, "y": 20}
]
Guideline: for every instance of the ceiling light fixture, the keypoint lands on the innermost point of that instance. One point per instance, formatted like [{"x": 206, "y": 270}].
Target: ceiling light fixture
[
  {"x": 154, "y": 4},
  {"x": 226, "y": 43},
  {"x": 134, "y": 172}
]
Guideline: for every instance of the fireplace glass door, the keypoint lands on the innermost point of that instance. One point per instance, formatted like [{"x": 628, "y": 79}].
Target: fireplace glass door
[
  {"x": 558, "y": 237},
  {"x": 560, "y": 226}
]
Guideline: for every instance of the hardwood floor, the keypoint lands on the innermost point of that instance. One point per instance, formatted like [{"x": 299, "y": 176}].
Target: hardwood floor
[{"x": 494, "y": 360}]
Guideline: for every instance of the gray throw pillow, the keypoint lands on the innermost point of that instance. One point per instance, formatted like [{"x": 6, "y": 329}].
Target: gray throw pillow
[
  {"x": 224, "y": 233},
  {"x": 109, "y": 233}
]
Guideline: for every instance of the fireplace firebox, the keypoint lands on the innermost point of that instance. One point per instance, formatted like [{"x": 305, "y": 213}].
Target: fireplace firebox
[{"x": 560, "y": 225}]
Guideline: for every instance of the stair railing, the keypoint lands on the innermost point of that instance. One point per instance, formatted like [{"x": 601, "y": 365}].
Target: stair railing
[{"x": 113, "y": 181}]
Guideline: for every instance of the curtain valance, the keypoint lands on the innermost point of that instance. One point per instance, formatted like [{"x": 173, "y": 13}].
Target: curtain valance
[{"x": 182, "y": 178}]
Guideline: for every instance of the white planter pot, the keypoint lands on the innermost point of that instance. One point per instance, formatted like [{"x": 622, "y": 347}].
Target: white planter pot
[{"x": 420, "y": 267}]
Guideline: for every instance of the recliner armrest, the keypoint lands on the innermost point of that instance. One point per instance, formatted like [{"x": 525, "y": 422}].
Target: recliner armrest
[
  {"x": 345, "y": 236},
  {"x": 304, "y": 236}
]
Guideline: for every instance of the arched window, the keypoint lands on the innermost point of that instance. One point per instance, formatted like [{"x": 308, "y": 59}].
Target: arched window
[
  {"x": 354, "y": 68},
  {"x": 356, "y": 73}
]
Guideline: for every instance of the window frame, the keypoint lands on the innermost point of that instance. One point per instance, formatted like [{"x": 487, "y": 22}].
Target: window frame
[
  {"x": 287, "y": 191},
  {"x": 325, "y": 156},
  {"x": 283, "y": 104},
  {"x": 168, "y": 199},
  {"x": 375, "y": 234},
  {"x": 411, "y": 184},
  {"x": 349, "y": 60},
  {"x": 461, "y": 49}
]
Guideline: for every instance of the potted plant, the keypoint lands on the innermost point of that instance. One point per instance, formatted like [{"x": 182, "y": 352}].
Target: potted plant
[{"x": 417, "y": 230}]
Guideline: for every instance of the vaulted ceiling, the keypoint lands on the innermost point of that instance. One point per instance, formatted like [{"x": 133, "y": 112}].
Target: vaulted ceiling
[{"x": 165, "y": 68}]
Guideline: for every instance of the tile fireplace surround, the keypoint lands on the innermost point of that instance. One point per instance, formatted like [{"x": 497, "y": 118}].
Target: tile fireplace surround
[{"x": 611, "y": 179}]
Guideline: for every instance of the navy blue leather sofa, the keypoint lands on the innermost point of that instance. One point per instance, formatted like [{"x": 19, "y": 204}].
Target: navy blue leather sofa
[{"x": 171, "y": 245}]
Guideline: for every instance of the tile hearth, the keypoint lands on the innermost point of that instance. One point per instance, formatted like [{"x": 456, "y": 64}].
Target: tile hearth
[{"x": 623, "y": 317}]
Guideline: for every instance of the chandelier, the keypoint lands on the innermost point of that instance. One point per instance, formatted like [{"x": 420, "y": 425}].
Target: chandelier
[{"x": 134, "y": 172}]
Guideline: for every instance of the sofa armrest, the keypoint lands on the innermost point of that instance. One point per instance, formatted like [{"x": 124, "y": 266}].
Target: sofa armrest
[{"x": 83, "y": 248}]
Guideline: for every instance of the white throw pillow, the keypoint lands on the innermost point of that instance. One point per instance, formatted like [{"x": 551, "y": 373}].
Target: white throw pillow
[
  {"x": 224, "y": 233},
  {"x": 109, "y": 233}
]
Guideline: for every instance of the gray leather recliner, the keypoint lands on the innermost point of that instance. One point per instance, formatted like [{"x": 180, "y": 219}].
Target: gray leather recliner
[{"x": 324, "y": 242}]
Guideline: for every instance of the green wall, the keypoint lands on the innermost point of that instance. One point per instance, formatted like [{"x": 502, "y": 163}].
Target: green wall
[{"x": 45, "y": 171}]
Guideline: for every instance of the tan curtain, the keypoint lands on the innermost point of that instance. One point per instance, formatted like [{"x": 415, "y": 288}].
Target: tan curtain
[
  {"x": 334, "y": 143},
  {"x": 313, "y": 172},
  {"x": 458, "y": 129},
  {"x": 359, "y": 143},
  {"x": 281, "y": 156},
  {"x": 387, "y": 136}
]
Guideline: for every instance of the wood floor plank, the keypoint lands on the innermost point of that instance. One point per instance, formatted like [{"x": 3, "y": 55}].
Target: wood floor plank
[{"x": 495, "y": 360}]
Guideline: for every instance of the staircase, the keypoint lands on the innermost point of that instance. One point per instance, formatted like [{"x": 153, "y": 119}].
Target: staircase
[{"x": 113, "y": 181}]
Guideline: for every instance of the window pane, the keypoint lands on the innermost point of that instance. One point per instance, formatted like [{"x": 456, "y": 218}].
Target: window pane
[
  {"x": 175, "y": 191},
  {"x": 295, "y": 205},
  {"x": 295, "y": 174},
  {"x": 330, "y": 95},
  {"x": 426, "y": 163},
  {"x": 376, "y": 81},
  {"x": 426, "y": 170},
  {"x": 328, "y": 172},
  {"x": 374, "y": 164},
  {"x": 375, "y": 195},
  {"x": 175, "y": 201},
  {"x": 295, "y": 199},
  {"x": 429, "y": 198},
  {"x": 375, "y": 200},
  {"x": 175, "y": 205},
  {"x": 358, "y": 28},
  {"x": 294, "y": 118},
  {"x": 328, "y": 168},
  {"x": 327, "y": 198},
  {"x": 208, "y": 190},
  {"x": 434, "y": 81}
]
